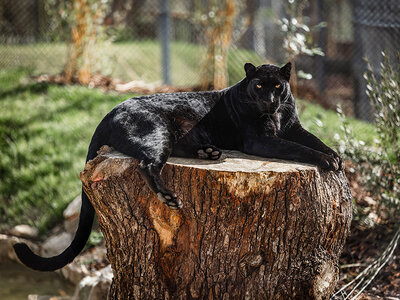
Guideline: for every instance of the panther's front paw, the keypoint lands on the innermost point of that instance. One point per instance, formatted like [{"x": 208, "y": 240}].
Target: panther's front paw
[
  {"x": 338, "y": 159},
  {"x": 169, "y": 199},
  {"x": 209, "y": 152},
  {"x": 329, "y": 163}
]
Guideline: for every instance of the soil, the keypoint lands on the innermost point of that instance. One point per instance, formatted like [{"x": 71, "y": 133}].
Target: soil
[{"x": 366, "y": 243}]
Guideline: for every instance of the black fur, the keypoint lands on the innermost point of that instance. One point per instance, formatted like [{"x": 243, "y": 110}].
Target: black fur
[{"x": 256, "y": 116}]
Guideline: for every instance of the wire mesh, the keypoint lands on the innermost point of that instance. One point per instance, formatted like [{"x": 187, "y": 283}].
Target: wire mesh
[{"x": 168, "y": 41}]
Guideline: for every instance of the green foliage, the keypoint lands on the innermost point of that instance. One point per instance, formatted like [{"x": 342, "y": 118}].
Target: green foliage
[
  {"x": 326, "y": 124},
  {"x": 379, "y": 164},
  {"x": 44, "y": 135},
  {"x": 61, "y": 15},
  {"x": 95, "y": 238},
  {"x": 298, "y": 34},
  {"x": 119, "y": 33},
  {"x": 12, "y": 79},
  {"x": 58, "y": 19},
  {"x": 384, "y": 95}
]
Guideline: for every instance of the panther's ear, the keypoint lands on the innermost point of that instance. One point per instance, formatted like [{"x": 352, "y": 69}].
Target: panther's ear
[
  {"x": 285, "y": 71},
  {"x": 250, "y": 70}
]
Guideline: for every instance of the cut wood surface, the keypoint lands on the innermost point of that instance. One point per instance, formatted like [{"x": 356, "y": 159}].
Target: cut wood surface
[{"x": 250, "y": 228}]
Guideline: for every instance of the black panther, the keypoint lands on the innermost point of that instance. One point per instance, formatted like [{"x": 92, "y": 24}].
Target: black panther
[{"x": 257, "y": 116}]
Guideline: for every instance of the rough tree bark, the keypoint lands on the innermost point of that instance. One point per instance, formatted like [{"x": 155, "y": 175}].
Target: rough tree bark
[{"x": 250, "y": 228}]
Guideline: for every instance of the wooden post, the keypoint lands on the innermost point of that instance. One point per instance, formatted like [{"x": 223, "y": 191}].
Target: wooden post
[{"x": 250, "y": 228}]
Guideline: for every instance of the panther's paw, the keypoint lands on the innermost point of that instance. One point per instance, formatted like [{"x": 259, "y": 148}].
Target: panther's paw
[
  {"x": 209, "y": 152},
  {"x": 338, "y": 159},
  {"x": 170, "y": 199},
  {"x": 328, "y": 163}
]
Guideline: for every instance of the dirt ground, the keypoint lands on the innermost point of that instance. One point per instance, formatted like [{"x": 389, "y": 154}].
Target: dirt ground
[{"x": 366, "y": 243}]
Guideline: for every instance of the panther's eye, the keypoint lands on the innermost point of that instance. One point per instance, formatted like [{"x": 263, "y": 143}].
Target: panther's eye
[
  {"x": 277, "y": 86},
  {"x": 259, "y": 86}
]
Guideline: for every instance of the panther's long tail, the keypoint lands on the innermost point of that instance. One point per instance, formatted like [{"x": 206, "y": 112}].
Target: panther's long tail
[{"x": 33, "y": 261}]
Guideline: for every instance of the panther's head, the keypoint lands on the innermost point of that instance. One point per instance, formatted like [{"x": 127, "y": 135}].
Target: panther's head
[{"x": 267, "y": 86}]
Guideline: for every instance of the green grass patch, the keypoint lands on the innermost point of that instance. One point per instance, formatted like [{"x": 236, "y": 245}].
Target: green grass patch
[
  {"x": 326, "y": 124},
  {"x": 138, "y": 60},
  {"x": 44, "y": 136},
  {"x": 45, "y": 131}
]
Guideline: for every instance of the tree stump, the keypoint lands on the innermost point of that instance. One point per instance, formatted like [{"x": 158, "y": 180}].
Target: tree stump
[{"x": 250, "y": 228}]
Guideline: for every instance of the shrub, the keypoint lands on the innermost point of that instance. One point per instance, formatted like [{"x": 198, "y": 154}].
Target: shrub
[{"x": 379, "y": 165}]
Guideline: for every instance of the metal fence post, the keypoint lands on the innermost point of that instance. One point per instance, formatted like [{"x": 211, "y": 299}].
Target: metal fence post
[
  {"x": 164, "y": 32},
  {"x": 321, "y": 60}
]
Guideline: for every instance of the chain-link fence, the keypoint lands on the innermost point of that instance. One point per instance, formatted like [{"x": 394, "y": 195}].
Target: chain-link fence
[{"x": 204, "y": 44}]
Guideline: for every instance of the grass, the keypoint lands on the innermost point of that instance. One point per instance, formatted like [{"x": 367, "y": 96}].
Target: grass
[
  {"x": 44, "y": 134},
  {"x": 138, "y": 60},
  {"x": 326, "y": 124}
]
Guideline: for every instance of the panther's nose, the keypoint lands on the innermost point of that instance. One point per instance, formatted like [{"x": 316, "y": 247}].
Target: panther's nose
[{"x": 270, "y": 99}]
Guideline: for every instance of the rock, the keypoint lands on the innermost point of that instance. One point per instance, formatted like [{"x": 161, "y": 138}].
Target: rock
[
  {"x": 84, "y": 288},
  {"x": 101, "y": 287},
  {"x": 71, "y": 215},
  {"x": 54, "y": 245},
  {"x": 74, "y": 272},
  {"x": 96, "y": 286},
  {"x": 25, "y": 231},
  {"x": 371, "y": 219},
  {"x": 97, "y": 256},
  {"x": 6, "y": 247},
  {"x": 70, "y": 225},
  {"x": 73, "y": 209},
  {"x": 79, "y": 268}
]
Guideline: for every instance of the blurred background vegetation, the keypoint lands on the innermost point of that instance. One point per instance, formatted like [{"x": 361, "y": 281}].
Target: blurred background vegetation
[
  {"x": 204, "y": 44},
  {"x": 65, "y": 64}
]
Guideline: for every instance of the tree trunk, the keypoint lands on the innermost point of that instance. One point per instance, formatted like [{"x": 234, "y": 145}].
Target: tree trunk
[
  {"x": 218, "y": 37},
  {"x": 250, "y": 228},
  {"x": 86, "y": 22}
]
